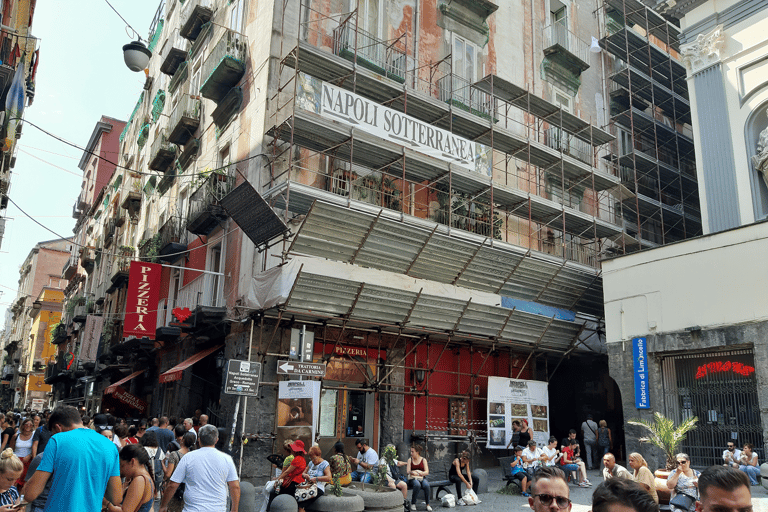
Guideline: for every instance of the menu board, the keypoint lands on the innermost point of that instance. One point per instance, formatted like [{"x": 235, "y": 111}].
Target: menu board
[{"x": 516, "y": 399}]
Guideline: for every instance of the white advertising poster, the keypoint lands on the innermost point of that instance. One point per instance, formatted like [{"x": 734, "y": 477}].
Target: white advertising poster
[
  {"x": 516, "y": 399},
  {"x": 363, "y": 114},
  {"x": 297, "y": 411}
]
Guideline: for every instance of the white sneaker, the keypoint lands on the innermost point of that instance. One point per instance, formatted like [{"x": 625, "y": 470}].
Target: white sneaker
[
  {"x": 413, "y": 507},
  {"x": 429, "y": 508}
]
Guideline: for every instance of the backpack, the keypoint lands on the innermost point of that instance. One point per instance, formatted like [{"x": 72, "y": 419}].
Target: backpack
[
  {"x": 602, "y": 437},
  {"x": 157, "y": 470}
]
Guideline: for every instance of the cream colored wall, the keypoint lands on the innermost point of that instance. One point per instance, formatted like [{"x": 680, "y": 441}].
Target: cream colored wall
[
  {"x": 707, "y": 282},
  {"x": 744, "y": 44}
]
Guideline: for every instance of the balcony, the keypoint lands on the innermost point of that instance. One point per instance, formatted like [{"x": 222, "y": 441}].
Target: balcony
[
  {"x": 162, "y": 154},
  {"x": 372, "y": 53},
  {"x": 59, "y": 334},
  {"x": 204, "y": 296},
  {"x": 205, "y": 213},
  {"x": 459, "y": 92},
  {"x": 174, "y": 53},
  {"x": 119, "y": 274},
  {"x": 189, "y": 154},
  {"x": 194, "y": 14},
  {"x": 185, "y": 119},
  {"x": 179, "y": 77},
  {"x": 224, "y": 67},
  {"x": 173, "y": 239},
  {"x": 87, "y": 259},
  {"x": 109, "y": 232},
  {"x": 563, "y": 47},
  {"x": 12, "y": 46},
  {"x": 70, "y": 267}
]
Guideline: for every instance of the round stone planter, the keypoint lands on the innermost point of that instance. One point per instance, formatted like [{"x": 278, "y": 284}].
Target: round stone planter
[
  {"x": 764, "y": 475},
  {"x": 284, "y": 503},
  {"x": 377, "y": 498},
  {"x": 664, "y": 492},
  {"x": 348, "y": 502}
]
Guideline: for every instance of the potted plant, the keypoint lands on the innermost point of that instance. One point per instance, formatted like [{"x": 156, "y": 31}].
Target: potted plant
[{"x": 663, "y": 434}]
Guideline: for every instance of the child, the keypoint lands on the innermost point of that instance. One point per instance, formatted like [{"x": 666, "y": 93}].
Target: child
[{"x": 518, "y": 472}]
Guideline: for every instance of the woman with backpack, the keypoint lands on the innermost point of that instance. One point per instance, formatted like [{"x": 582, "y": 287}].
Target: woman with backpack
[
  {"x": 156, "y": 456},
  {"x": 604, "y": 439}
]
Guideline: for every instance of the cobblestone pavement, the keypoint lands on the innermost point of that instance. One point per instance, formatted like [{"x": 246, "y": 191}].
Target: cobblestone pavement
[{"x": 580, "y": 496}]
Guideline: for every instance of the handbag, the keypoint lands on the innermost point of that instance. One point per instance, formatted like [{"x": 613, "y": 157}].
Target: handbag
[
  {"x": 306, "y": 493},
  {"x": 683, "y": 501}
]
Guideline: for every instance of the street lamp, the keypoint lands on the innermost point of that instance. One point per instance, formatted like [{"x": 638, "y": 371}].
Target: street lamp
[{"x": 136, "y": 56}]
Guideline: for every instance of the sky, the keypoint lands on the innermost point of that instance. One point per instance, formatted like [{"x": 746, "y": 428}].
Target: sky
[{"x": 80, "y": 77}]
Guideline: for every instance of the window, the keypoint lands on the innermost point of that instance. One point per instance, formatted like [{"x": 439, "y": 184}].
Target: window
[
  {"x": 558, "y": 18},
  {"x": 236, "y": 16},
  {"x": 464, "y": 56},
  {"x": 224, "y": 160},
  {"x": 215, "y": 281}
]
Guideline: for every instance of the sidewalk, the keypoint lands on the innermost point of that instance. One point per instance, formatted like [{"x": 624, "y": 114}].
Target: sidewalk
[{"x": 580, "y": 496}]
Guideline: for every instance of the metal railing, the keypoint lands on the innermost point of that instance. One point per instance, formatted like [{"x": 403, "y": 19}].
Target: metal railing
[
  {"x": 204, "y": 290},
  {"x": 189, "y": 6},
  {"x": 161, "y": 144},
  {"x": 372, "y": 53},
  {"x": 560, "y": 140},
  {"x": 173, "y": 231},
  {"x": 459, "y": 92},
  {"x": 188, "y": 106},
  {"x": 557, "y": 34},
  {"x": 210, "y": 191},
  {"x": 175, "y": 41},
  {"x": 231, "y": 45}
]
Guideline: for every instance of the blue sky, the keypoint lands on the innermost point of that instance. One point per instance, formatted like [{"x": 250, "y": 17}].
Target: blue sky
[{"x": 81, "y": 76}]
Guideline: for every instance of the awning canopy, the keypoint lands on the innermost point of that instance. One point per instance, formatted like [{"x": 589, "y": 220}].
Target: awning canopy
[
  {"x": 176, "y": 372},
  {"x": 111, "y": 389},
  {"x": 341, "y": 293}
]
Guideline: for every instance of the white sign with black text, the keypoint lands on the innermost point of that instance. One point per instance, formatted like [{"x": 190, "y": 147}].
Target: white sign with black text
[{"x": 516, "y": 399}]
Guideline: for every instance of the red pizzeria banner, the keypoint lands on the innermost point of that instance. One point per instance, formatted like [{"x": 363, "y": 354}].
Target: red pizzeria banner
[
  {"x": 142, "y": 299},
  {"x": 130, "y": 400}
]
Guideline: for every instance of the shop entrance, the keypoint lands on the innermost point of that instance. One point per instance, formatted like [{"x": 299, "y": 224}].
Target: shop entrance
[{"x": 721, "y": 390}]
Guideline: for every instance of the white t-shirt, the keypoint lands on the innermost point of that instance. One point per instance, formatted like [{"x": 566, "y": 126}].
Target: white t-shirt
[
  {"x": 369, "y": 457},
  {"x": 551, "y": 452},
  {"x": 205, "y": 472},
  {"x": 527, "y": 455},
  {"x": 734, "y": 456}
]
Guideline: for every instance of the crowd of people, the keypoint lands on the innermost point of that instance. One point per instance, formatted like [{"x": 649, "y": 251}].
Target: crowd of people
[
  {"x": 63, "y": 461},
  {"x": 296, "y": 473}
]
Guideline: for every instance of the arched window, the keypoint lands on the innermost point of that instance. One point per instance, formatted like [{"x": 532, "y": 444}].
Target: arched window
[{"x": 756, "y": 124}]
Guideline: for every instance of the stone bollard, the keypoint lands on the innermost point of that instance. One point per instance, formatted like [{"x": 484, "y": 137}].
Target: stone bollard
[
  {"x": 482, "y": 480},
  {"x": 764, "y": 475},
  {"x": 247, "y": 497},
  {"x": 284, "y": 503},
  {"x": 348, "y": 502}
]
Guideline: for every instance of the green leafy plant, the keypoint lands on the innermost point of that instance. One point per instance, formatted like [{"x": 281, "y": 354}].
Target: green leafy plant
[
  {"x": 389, "y": 455},
  {"x": 663, "y": 434},
  {"x": 150, "y": 247}
]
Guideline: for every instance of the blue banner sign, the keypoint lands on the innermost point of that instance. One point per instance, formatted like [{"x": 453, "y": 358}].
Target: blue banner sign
[{"x": 640, "y": 356}]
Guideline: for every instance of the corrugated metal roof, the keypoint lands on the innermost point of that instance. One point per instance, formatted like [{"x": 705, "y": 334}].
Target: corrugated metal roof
[
  {"x": 322, "y": 296},
  {"x": 338, "y": 233}
]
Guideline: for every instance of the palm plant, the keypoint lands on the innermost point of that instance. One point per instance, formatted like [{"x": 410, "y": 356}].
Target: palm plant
[{"x": 663, "y": 433}]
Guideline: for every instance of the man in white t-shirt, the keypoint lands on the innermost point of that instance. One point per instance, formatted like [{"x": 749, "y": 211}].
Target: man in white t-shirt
[
  {"x": 731, "y": 455},
  {"x": 589, "y": 431},
  {"x": 551, "y": 452},
  {"x": 532, "y": 458},
  {"x": 207, "y": 474}
]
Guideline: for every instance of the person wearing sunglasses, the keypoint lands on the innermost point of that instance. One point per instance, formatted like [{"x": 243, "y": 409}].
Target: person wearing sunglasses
[
  {"x": 684, "y": 482},
  {"x": 619, "y": 495},
  {"x": 549, "y": 491},
  {"x": 731, "y": 455}
]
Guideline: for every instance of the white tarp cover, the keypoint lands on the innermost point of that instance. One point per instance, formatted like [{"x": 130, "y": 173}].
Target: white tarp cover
[{"x": 272, "y": 287}]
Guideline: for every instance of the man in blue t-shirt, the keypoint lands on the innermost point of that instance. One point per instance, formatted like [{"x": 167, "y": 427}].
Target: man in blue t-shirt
[{"x": 82, "y": 463}]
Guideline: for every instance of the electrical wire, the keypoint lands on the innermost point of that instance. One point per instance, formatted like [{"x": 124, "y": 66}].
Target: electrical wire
[{"x": 124, "y": 21}]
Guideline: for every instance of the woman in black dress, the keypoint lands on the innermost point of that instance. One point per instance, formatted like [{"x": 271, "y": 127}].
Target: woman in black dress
[{"x": 525, "y": 433}]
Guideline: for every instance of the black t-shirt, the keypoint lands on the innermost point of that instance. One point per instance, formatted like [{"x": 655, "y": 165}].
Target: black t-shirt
[
  {"x": 10, "y": 431},
  {"x": 42, "y": 435}
]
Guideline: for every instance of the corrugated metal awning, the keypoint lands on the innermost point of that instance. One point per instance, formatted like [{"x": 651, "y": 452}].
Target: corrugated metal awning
[{"x": 424, "y": 250}]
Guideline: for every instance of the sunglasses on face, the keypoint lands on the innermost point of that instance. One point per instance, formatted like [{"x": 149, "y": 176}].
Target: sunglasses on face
[
  {"x": 730, "y": 446},
  {"x": 546, "y": 500},
  {"x": 682, "y": 462}
]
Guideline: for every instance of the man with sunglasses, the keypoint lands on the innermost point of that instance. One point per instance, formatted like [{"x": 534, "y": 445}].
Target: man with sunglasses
[
  {"x": 549, "y": 491},
  {"x": 731, "y": 455}
]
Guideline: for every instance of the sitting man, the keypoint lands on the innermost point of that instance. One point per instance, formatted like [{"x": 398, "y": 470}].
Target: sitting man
[
  {"x": 724, "y": 489},
  {"x": 532, "y": 458},
  {"x": 731, "y": 455},
  {"x": 566, "y": 443},
  {"x": 613, "y": 470},
  {"x": 366, "y": 461},
  {"x": 619, "y": 495}
]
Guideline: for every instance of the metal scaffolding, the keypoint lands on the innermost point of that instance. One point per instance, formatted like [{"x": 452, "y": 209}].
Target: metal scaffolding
[{"x": 651, "y": 116}]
